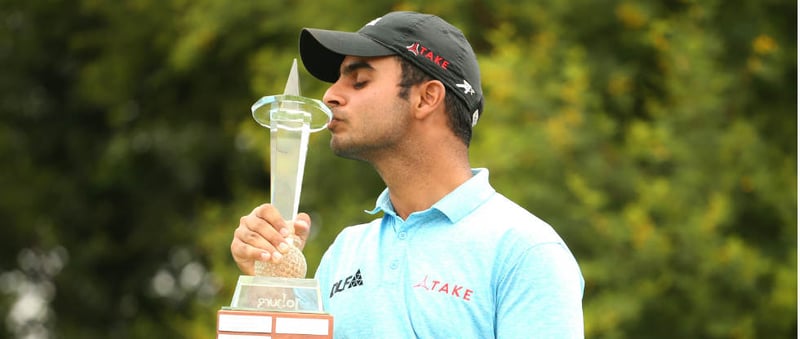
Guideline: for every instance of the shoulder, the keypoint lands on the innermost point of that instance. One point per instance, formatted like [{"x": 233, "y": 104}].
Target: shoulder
[
  {"x": 520, "y": 238},
  {"x": 507, "y": 219},
  {"x": 356, "y": 233},
  {"x": 349, "y": 243}
]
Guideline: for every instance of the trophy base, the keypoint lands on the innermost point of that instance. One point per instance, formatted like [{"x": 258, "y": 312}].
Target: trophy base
[
  {"x": 241, "y": 324},
  {"x": 270, "y": 307}
]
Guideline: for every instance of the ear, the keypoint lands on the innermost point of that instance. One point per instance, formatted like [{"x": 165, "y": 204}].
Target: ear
[{"x": 430, "y": 98}]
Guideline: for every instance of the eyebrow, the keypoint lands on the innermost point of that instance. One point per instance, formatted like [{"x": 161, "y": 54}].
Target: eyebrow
[{"x": 355, "y": 66}]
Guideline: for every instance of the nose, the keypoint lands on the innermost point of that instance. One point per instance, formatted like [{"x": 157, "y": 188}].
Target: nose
[{"x": 332, "y": 96}]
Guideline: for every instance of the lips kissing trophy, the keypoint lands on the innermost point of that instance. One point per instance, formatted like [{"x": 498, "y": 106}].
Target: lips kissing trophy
[{"x": 278, "y": 302}]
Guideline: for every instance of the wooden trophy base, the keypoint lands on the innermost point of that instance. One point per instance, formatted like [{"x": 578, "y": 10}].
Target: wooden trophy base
[{"x": 259, "y": 324}]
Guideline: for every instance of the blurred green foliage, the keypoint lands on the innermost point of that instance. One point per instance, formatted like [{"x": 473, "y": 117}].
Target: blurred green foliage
[{"x": 658, "y": 138}]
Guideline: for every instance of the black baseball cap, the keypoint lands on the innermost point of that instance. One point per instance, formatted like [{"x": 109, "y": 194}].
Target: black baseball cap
[{"x": 427, "y": 41}]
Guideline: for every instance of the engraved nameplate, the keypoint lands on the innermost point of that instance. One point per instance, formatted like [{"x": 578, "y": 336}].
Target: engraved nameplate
[{"x": 277, "y": 294}]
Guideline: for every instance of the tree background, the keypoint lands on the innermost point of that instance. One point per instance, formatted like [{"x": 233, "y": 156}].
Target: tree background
[{"x": 659, "y": 138}]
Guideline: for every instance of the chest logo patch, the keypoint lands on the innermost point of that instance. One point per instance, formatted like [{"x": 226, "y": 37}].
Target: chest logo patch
[
  {"x": 346, "y": 283},
  {"x": 451, "y": 289}
]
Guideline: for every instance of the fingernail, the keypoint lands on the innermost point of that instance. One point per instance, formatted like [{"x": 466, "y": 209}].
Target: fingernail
[
  {"x": 283, "y": 247},
  {"x": 285, "y": 232},
  {"x": 277, "y": 256},
  {"x": 265, "y": 256}
]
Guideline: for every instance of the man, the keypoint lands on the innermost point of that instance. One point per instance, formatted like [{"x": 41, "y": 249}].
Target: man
[{"x": 450, "y": 257}]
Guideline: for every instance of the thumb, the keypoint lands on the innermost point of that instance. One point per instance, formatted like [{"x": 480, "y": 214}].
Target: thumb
[{"x": 302, "y": 228}]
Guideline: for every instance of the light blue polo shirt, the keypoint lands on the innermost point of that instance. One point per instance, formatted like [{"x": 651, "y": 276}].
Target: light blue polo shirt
[{"x": 474, "y": 265}]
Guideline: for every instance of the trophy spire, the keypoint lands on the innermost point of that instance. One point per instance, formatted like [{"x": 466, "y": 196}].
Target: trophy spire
[{"x": 293, "y": 82}]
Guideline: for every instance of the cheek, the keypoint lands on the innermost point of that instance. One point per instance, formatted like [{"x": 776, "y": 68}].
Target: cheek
[
  {"x": 381, "y": 95},
  {"x": 375, "y": 103}
]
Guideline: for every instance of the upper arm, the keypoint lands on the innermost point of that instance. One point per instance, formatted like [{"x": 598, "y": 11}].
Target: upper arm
[{"x": 541, "y": 295}]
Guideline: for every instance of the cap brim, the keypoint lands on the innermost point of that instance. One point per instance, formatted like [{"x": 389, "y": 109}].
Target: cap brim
[{"x": 322, "y": 51}]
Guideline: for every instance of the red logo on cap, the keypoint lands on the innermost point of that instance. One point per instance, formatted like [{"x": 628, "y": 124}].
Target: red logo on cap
[{"x": 420, "y": 50}]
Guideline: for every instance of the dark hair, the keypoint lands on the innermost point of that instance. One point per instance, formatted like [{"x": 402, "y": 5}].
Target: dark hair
[{"x": 459, "y": 117}]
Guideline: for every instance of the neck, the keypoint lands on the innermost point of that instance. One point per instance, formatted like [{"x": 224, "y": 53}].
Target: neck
[{"x": 417, "y": 181}]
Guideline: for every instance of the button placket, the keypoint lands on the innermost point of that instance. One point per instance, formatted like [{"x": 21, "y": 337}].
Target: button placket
[
  {"x": 396, "y": 252},
  {"x": 400, "y": 252}
]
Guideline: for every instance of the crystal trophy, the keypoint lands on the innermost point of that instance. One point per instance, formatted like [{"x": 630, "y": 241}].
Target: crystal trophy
[{"x": 282, "y": 286}]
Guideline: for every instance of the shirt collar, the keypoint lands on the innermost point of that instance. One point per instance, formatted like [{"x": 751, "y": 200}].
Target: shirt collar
[{"x": 456, "y": 204}]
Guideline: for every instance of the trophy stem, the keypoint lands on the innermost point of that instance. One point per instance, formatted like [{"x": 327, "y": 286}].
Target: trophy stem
[{"x": 288, "y": 148}]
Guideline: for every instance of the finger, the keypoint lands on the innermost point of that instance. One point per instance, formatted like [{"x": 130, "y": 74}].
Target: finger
[
  {"x": 302, "y": 228},
  {"x": 263, "y": 224},
  {"x": 249, "y": 246},
  {"x": 255, "y": 233},
  {"x": 245, "y": 255},
  {"x": 271, "y": 215},
  {"x": 302, "y": 225},
  {"x": 248, "y": 243}
]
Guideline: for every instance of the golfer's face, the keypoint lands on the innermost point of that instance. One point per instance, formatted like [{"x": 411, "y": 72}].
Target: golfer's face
[{"x": 368, "y": 116}]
